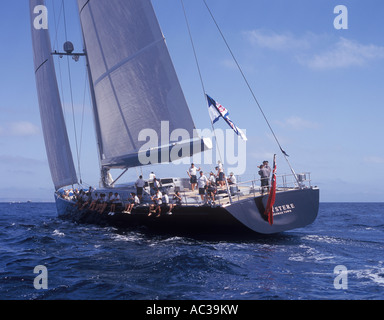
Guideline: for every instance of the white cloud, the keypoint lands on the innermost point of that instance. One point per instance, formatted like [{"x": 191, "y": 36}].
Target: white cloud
[
  {"x": 19, "y": 129},
  {"x": 317, "y": 51},
  {"x": 275, "y": 41},
  {"x": 345, "y": 53},
  {"x": 297, "y": 123}
]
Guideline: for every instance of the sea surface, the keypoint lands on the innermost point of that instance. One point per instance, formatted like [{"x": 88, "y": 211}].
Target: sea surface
[{"x": 339, "y": 257}]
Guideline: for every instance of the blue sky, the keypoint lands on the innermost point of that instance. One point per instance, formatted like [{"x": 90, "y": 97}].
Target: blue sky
[{"x": 321, "y": 89}]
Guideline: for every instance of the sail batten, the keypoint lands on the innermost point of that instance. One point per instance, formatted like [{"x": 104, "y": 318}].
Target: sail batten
[
  {"x": 52, "y": 118},
  {"x": 124, "y": 61},
  {"x": 44, "y": 62},
  {"x": 134, "y": 81}
]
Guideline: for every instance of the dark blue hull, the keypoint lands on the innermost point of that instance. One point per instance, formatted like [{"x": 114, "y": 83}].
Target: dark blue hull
[{"x": 293, "y": 209}]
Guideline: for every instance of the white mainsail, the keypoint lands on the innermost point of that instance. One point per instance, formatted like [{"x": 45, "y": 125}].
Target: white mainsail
[
  {"x": 55, "y": 133},
  {"x": 134, "y": 82}
]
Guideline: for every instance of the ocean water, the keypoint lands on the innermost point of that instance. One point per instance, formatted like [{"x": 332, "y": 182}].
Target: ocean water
[{"x": 339, "y": 257}]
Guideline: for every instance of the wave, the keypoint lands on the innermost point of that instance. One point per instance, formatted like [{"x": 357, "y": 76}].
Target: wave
[
  {"x": 324, "y": 239},
  {"x": 58, "y": 233},
  {"x": 375, "y": 275}
]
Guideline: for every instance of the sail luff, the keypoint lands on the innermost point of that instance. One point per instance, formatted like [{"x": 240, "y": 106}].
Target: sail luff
[
  {"x": 51, "y": 113},
  {"x": 96, "y": 120}
]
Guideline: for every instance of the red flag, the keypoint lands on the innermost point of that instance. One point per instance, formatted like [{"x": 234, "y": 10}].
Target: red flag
[{"x": 272, "y": 194}]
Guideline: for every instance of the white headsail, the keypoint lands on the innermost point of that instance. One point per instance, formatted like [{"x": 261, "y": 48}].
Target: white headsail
[
  {"x": 55, "y": 133},
  {"x": 133, "y": 78}
]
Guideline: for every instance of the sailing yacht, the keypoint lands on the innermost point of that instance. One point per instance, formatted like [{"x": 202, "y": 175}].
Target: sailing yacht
[{"x": 134, "y": 87}]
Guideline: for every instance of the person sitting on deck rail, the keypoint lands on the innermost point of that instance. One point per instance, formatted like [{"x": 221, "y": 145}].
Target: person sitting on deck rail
[
  {"x": 133, "y": 201},
  {"x": 114, "y": 200},
  {"x": 153, "y": 208},
  {"x": 80, "y": 199},
  {"x": 232, "y": 179},
  {"x": 176, "y": 202},
  {"x": 95, "y": 199},
  {"x": 75, "y": 194},
  {"x": 100, "y": 202},
  {"x": 87, "y": 199},
  {"x": 69, "y": 195},
  {"x": 165, "y": 200},
  {"x": 65, "y": 195},
  {"x": 104, "y": 203}
]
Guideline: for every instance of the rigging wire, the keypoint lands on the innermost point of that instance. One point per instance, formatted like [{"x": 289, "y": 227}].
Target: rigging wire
[
  {"x": 82, "y": 115},
  {"x": 57, "y": 21},
  {"x": 200, "y": 74},
  {"x": 193, "y": 48},
  {"x": 250, "y": 88},
  {"x": 55, "y": 45}
]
